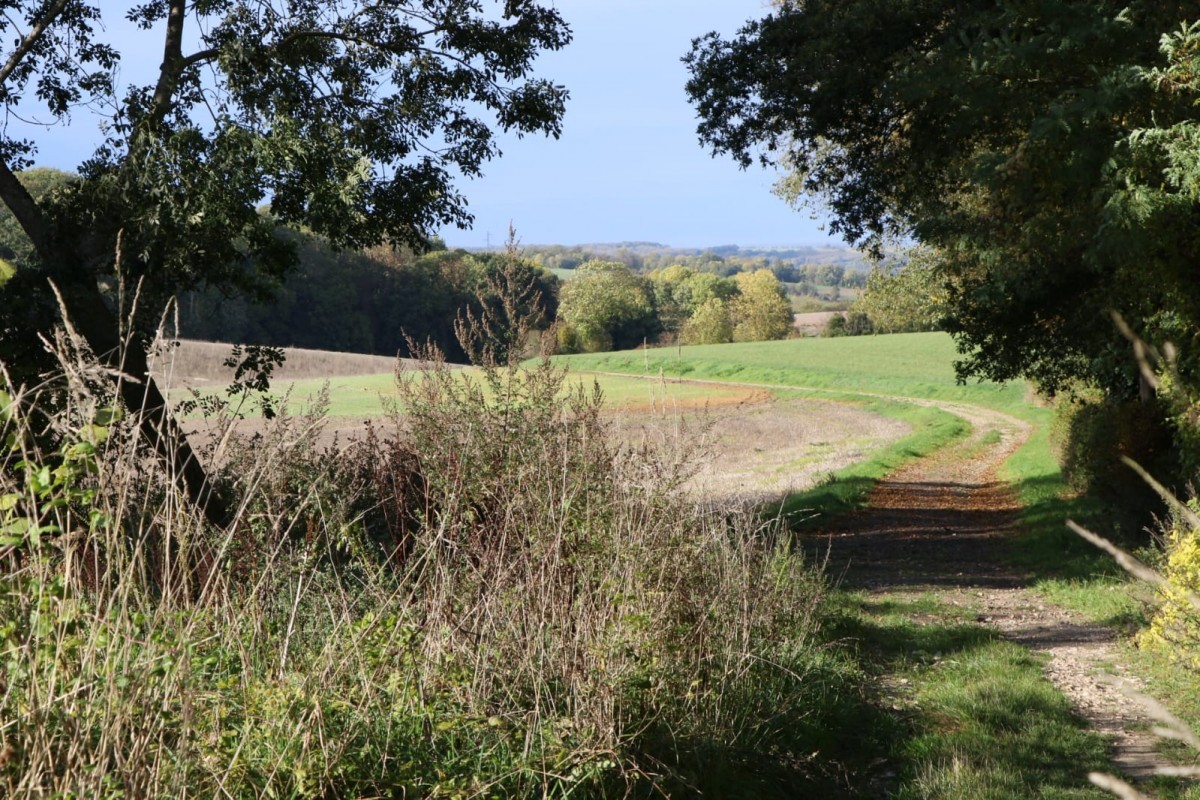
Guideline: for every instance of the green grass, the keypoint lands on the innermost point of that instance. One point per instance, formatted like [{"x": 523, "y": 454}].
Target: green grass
[
  {"x": 1066, "y": 570},
  {"x": 918, "y": 365},
  {"x": 972, "y": 716},
  {"x": 1106, "y": 599}
]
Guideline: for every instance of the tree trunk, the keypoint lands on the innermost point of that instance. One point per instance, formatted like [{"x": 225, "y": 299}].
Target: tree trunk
[{"x": 85, "y": 308}]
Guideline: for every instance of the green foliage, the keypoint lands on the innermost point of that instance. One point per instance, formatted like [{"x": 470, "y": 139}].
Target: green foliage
[
  {"x": 1092, "y": 433},
  {"x": 905, "y": 298},
  {"x": 351, "y": 121},
  {"x": 1044, "y": 150},
  {"x": 606, "y": 307},
  {"x": 377, "y": 301},
  {"x": 853, "y": 323},
  {"x": 760, "y": 311},
  {"x": 710, "y": 323},
  {"x": 827, "y": 265},
  {"x": 43, "y": 184},
  {"x": 679, "y": 293},
  {"x": 47, "y": 498}
]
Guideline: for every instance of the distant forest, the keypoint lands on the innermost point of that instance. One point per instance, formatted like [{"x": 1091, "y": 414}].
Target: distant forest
[
  {"x": 382, "y": 300},
  {"x": 379, "y": 301},
  {"x": 788, "y": 263}
]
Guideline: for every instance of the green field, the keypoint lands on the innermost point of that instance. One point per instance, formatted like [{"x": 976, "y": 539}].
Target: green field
[{"x": 905, "y": 365}]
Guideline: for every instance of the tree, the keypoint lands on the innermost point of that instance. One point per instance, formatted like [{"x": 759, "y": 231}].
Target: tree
[
  {"x": 346, "y": 119},
  {"x": 760, "y": 310},
  {"x": 906, "y": 297},
  {"x": 710, "y": 323},
  {"x": 1046, "y": 149},
  {"x": 679, "y": 293},
  {"x": 672, "y": 296},
  {"x": 607, "y": 307}
]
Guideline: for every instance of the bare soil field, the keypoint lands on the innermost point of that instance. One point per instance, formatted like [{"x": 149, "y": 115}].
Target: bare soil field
[
  {"x": 813, "y": 323},
  {"x": 194, "y": 364},
  {"x": 763, "y": 449},
  {"x": 740, "y": 444}
]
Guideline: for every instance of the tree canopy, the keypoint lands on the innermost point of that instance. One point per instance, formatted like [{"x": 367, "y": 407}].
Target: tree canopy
[
  {"x": 905, "y": 297},
  {"x": 350, "y": 120},
  {"x": 760, "y": 311},
  {"x": 607, "y": 307},
  {"x": 1046, "y": 149}
]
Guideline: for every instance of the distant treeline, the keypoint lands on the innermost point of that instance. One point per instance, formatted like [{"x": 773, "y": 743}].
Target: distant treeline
[
  {"x": 383, "y": 300},
  {"x": 371, "y": 302},
  {"x": 815, "y": 266}
]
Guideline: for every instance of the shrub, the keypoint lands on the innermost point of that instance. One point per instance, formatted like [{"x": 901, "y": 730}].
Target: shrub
[
  {"x": 1092, "y": 433},
  {"x": 1176, "y": 623},
  {"x": 485, "y": 597}
]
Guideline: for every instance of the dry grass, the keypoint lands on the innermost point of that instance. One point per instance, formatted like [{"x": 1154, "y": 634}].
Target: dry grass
[{"x": 487, "y": 598}]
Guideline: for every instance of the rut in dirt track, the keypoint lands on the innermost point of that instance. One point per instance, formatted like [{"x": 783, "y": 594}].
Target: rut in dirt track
[
  {"x": 938, "y": 525},
  {"x": 938, "y": 522}
]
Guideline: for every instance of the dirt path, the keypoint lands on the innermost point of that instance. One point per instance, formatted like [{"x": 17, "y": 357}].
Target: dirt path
[{"x": 937, "y": 525}]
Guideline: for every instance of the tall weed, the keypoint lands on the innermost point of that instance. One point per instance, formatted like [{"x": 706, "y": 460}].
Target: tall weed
[{"x": 483, "y": 597}]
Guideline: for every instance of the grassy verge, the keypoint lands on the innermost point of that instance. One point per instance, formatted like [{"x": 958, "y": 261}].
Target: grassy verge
[
  {"x": 973, "y": 716},
  {"x": 1178, "y": 688},
  {"x": 1065, "y": 569}
]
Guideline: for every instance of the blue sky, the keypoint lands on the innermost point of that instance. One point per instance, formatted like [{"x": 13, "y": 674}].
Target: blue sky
[{"x": 628, "y": 165}]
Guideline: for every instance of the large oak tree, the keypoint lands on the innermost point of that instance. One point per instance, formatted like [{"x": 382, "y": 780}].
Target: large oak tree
[{"x": 352, "y": 120}]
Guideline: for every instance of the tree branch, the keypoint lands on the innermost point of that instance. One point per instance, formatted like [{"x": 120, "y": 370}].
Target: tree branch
[
  {"x": 28, "y": 215},
  {"x": 172, "y": 65},
  {"x": 31, "y": 39}
]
